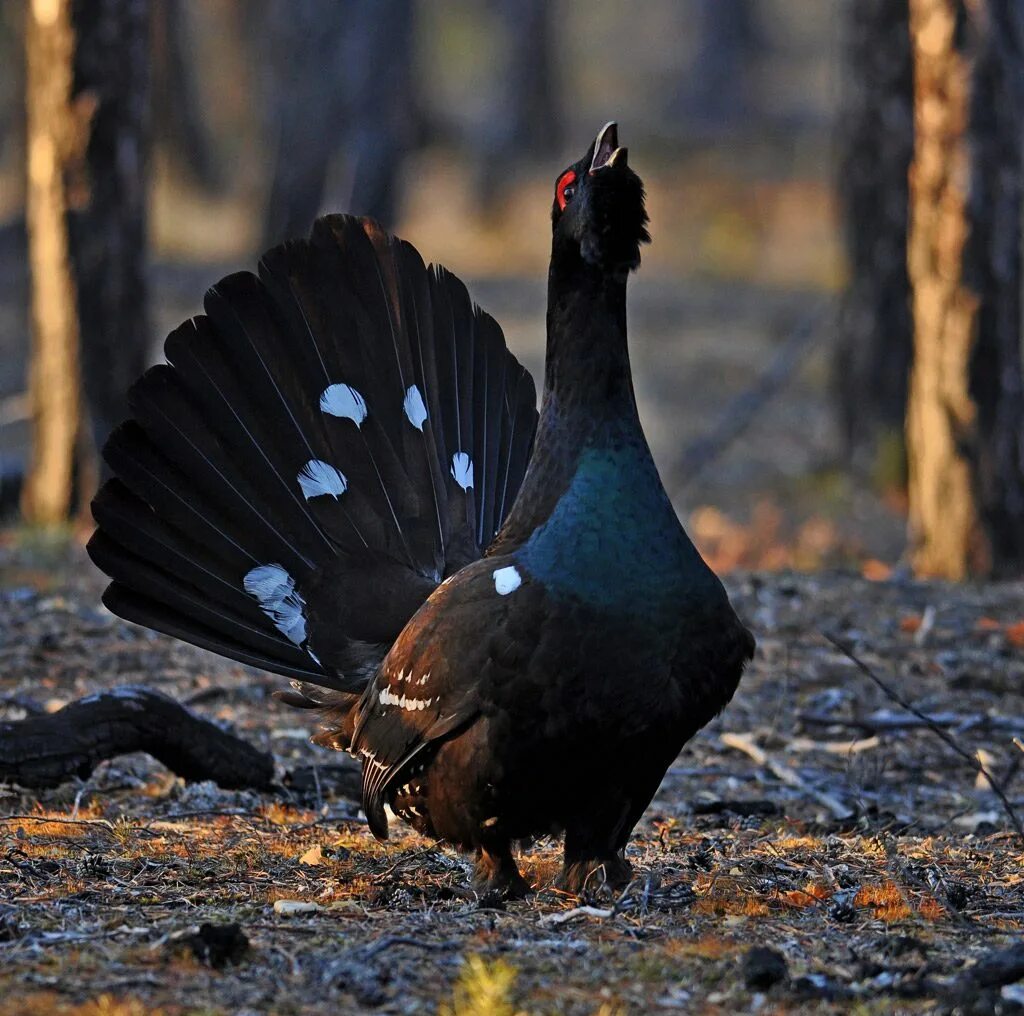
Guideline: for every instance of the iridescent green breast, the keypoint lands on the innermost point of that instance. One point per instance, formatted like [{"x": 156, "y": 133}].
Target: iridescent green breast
[{"x": 613, "y": 539}]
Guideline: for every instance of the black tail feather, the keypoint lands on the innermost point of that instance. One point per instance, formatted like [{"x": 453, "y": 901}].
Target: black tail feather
[{"x": 322, "y": 447}]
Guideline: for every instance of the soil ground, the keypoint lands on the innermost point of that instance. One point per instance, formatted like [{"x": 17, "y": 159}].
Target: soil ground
[{"x": 815, "y": 818}]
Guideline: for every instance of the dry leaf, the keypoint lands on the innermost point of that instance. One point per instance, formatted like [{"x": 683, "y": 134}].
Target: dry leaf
[
  {"x": 1015, "y": 634},
  {"x": 875, "y": 571},
  {"x": 313, "y": 856}
]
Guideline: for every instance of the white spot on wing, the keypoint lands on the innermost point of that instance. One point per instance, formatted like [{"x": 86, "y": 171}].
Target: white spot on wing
[
  {"x": 462, "y": 470},
  {"x": 507, "y": 580},
  {"x": 387, "y": 697},
  {"x": 274, "y": 590},
  {"x": 318, "y": 478},
  {"x": 344, "y": 401},
  {"x": 415, "y": 411}
]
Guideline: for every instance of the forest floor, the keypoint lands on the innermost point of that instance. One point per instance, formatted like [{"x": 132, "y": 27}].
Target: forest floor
[{"x": 816, "y": 818}]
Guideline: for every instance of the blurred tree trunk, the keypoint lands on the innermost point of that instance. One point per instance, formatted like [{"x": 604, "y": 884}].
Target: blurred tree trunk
[
  {"x": 107, "y": 214},
  {"x": 527, "y": 105},
  {"x": 528, "y": 117},
  {"x": 55, "y": 141},
  {"x": 382, "y": 105},
  {"x": 965, "y": 419},
  {"x": 343, "y": 83},
  {"x": 712, "y": 95},
  {"x": 876, "y": 146},
  {"x": 307, "y": 55},
  {"x": 178, "y": 103},
  {"x": 87, "y": 102}
]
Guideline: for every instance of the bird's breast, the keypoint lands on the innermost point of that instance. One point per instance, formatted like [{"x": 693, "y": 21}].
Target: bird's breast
[{"x": 613, "y": 540}]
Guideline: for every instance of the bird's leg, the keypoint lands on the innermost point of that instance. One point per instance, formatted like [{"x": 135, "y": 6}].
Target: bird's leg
[
  {"x": 587, "y": 869},
  {"x": 496, "y": 871},
  {"x": 595, "y": 853},
  {"x": 595, "y": 847}
]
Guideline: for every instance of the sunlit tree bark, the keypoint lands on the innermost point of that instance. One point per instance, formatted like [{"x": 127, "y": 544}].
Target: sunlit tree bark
[
  {"x": 87, "y": 108},
  {"x": 55, "y": 141},
  {"x": 965, "y": 419}
]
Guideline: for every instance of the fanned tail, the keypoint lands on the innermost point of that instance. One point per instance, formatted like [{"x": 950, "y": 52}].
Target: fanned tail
[{"x": 325, "y": 444}]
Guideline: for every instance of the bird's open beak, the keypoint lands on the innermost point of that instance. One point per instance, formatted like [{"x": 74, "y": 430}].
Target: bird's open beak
[{"x": 606, "y": 148}]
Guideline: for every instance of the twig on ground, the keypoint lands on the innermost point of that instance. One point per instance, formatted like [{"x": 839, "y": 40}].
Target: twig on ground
[
  {"x": 100, "y": 823},
  {"x": 883, "y": 721},
  {"x": 745, "y": 743},
  {"x": 847, "y": 650},
  {"x": 568, "y": 915},
  {"x": 844, "y": 748},
  {"x": 390, "y": 941}
]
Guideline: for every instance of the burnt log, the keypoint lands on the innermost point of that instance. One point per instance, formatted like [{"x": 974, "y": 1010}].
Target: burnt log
[{"x": 47, "y": 750}]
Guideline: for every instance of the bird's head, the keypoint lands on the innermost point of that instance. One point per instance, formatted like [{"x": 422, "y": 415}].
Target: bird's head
[{"x": 599, "y": 207}]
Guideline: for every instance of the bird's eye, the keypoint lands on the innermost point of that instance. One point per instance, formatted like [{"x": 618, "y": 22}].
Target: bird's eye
[{"x": 565, "y": 188}]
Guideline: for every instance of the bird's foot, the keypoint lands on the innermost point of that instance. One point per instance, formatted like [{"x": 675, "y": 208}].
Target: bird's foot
[
  {"x": 595, "y": 874},
  {"x": 496, "y": 873}
]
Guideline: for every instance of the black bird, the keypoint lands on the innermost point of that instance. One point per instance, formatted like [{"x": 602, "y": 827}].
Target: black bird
[{"x": 340, "y": 476}]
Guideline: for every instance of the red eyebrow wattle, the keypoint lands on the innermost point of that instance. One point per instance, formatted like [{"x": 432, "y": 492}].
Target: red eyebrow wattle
[{"x": 568, "y": 177}]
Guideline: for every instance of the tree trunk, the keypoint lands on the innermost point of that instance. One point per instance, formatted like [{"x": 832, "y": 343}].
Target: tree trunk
[
  {"x": 872, "y": 365},
  {"x": 56, "y": 135},
  {"x": 308, "y": 108},
  {"x": 382, "y": 105},
  {"x": 87, "y": 101},
  {"x": 965, "y": 419},
  {"x": 178, "y": 98},
  {"x": 107, "y": 217}
]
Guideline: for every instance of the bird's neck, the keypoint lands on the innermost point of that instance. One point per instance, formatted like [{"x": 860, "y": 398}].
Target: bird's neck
[
  {"x": 587, "y": 377},
  {"x": 588, "y": 403}
]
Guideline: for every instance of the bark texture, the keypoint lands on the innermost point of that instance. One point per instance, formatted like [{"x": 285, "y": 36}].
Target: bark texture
[
  {"x": 965, "y": 420},
  {"x": 107, "y": 213},
  {"x": 45, "y": 751},
  {"x": 56, "y": 142},
  {"x": 87, "y": 103},
  {"x": 876, "y": 147}
]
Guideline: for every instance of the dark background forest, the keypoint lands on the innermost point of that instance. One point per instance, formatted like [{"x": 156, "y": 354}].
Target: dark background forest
[{"x": 730, "y": 116}]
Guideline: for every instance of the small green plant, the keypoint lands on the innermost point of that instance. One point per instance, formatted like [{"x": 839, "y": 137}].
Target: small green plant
[
  {"x": 124, "y": 832},
  {"x": 483, "y": 989}
]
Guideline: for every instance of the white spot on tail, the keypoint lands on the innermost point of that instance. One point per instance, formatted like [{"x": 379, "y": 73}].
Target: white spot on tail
[
  {"x": 415, "y": 411},
  {"x": 318, "y": 477},
  {"x": 274, "y": 590},
  {"x": 507, "y": 580},
  {"x": 462, "y": 470},
  {"x": 344, "y": 401}
]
